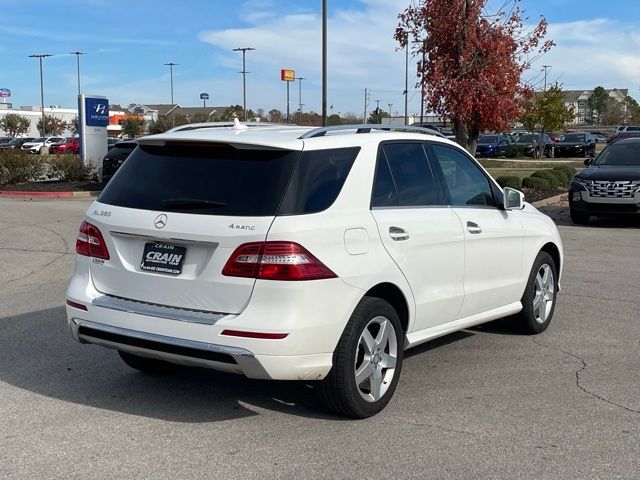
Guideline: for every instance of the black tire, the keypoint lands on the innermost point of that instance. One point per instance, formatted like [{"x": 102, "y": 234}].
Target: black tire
[
  {"x": 579, "y": 218},
  {"x": 145, "y": 364},
  {"x": 528, "y": 321},
  {"x": 338, "y": 391}
]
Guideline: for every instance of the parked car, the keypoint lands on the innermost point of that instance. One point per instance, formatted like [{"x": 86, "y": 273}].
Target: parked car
[
  {"x": 626, "y": 129},
  {"x": 576, "y": 145},
  {"x": 114, "y": 159},
  {"x": 600, "y": 137},
  {"x": 111, "y": 141},
  {"x": 305, "y": 254},
  {"x": 527, "y": 142},
  {"x": 492, "y": 145},
  {"x": 556, "y": 136},
  {"x": 610, "y": 185},
  {"x": 69, "y": 145},
  {"x": 34, "y": 145},
  {"x": 5, "y": 139},
  {"x": 16, "y": 142},
  {"x": 622, "y": 135}
]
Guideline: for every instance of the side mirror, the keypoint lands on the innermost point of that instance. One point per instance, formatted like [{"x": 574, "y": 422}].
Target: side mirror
[
  {"x": 513, "y": 199},
  {"x": 589, "y": 161}
]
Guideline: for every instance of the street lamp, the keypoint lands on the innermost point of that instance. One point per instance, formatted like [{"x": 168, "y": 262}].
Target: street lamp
[
  {"x": 173, "y": 116},
  {"x": 40, "y": 56},
  {"x": 77, "y": 54},
  {"x": 390, "y": 105},
  {"x": 300, "y": 96},
  {"x": 324, "y": 63},
  {"x": 244, "y": 72}
]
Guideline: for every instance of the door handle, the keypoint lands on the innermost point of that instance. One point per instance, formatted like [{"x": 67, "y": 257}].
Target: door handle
[
  {"x": 474, "y": 228},
  {"x": 398, "y": 234}
]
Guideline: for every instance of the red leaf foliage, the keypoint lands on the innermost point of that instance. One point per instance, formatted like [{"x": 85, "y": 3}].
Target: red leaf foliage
[{"x": 474, "y": 61}]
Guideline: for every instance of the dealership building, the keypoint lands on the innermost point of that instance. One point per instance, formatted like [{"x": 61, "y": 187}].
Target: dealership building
[{"x": 67, "y": 115}]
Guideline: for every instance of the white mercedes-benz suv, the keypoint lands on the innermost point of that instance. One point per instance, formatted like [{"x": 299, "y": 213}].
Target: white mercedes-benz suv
[{"x": 293, "y": 253}]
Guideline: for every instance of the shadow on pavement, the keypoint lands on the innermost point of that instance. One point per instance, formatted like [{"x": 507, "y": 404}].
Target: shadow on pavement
[{"x": 38, "y": 354}]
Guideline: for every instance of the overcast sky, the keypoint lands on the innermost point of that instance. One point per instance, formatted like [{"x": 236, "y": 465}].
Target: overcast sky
[{"x": 127, "y": 43}]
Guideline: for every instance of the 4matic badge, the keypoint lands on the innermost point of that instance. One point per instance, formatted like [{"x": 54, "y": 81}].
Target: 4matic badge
[{"x": 235, "y": 226}]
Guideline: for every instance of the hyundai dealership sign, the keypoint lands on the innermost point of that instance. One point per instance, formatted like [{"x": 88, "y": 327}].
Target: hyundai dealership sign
[
  {"x": 96, "y": 112},
  {"x": 94, "y": 119}
]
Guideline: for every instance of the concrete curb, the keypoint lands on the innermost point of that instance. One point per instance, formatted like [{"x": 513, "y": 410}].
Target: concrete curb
[
  {"x": 549, "y": 201},
  {"x": 44, "y": 195}
]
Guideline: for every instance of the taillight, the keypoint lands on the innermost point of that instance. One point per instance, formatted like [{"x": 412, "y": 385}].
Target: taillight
[
  {"x": 275, "y": 261},
  {"x": 90, "y": 242}
]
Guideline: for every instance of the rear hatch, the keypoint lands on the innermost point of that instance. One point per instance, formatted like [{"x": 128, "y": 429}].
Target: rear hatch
[{"x": 172, "y": 216}]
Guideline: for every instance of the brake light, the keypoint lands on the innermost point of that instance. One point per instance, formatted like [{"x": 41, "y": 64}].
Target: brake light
[
  {"x": 275, "y": 261},
  {"x": 90, "y": 242}
]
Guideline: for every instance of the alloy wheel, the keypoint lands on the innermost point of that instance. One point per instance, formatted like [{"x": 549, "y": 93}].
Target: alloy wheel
[
  {"x": 544, "y": 288},
  {"x": 375, "y": 361}
]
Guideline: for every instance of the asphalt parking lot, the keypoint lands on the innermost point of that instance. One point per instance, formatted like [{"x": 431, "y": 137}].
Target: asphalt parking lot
[{"x": 483, "y": 403}]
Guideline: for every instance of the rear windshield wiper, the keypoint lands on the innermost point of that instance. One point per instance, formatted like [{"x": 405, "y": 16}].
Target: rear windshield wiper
[{"x": 190, "y": 203}]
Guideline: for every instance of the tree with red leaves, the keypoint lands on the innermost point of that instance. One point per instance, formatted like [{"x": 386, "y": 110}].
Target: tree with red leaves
[{"x": 474, "y": 61}]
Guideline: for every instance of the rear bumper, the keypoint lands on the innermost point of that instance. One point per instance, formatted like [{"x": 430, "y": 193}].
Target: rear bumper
[
  {"x": 312, "y": 314},
  {"x": 176, "y": 350}
]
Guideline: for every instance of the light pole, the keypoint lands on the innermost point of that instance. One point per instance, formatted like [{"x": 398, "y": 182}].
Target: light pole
[
  {"x": 173, "y": 116},
  {"x": 244, "y": 72},
  {"x": 300, "y": 79},
  {"x": 390, "y": 105},
  {"x": 324, "y": 63},
  {"x": 40, "y": 56},
  {"x": 406, "y": 86},
  {"x": 77, "y": 54}
]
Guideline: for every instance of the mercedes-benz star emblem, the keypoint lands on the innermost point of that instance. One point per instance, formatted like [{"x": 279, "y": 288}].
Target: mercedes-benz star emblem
[{"x": 161, "y": 221}]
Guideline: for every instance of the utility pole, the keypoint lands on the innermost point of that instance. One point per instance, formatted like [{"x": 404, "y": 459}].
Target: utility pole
[
  {"x": 367, "y": 95},
  {"x": 40, "y": 56},
  {"x": 300, "y": 79},
  {"x": 244, "y": 72},
  {"x": 288, "y": 111},
  {"x": 324, "y": 63},
  {"x": 173, "y": 113},
  {"x": 545, "y": 68},
  {"x": 406, "y": 86},
  {"x": 77, "y": 54},
  {"x": 424, "y": 59}
]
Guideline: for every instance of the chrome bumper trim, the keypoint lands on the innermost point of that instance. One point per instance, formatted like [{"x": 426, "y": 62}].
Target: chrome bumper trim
[
  {"x": 246, "y": 362},
  {"x": 155, "y": 310}
]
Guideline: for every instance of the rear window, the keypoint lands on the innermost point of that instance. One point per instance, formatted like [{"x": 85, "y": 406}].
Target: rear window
[{"x": 208, "y": 180}]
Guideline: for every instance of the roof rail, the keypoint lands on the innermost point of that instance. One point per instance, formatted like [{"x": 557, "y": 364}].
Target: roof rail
[
  {"x": 198, "y": 126},
  {"x": 366, "y": 128}
]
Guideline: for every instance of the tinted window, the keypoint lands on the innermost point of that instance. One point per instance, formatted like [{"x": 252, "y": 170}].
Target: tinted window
[
  {"x": 120, "y": 150},
  {"x": 620, "y": 154},
  {"x": 202, "y": 179},
  {"x": 574, "y": 137},
  {"x": 317, "y": 180},
  {"x": 633, "y": 129},
  {"x": 384, "y": 191},
  {"x": 467, "y": 185},
  {"x": 412, "y": 177},
  {"x": 488, "y": 139}
]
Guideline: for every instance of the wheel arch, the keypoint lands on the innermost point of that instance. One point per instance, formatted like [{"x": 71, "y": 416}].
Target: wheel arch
[
  {"x": 553, "y": 250},
  {"x": 394, "y": 295}
]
